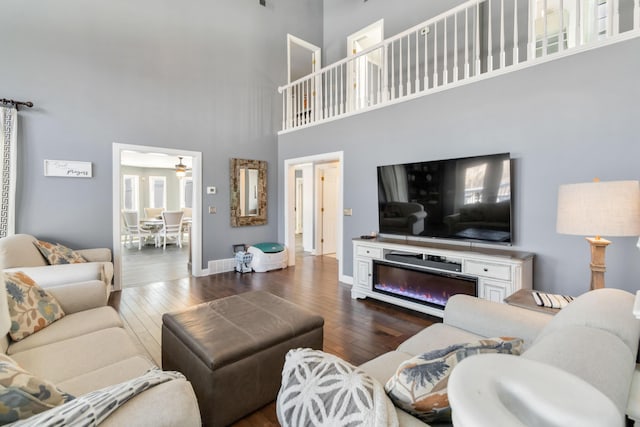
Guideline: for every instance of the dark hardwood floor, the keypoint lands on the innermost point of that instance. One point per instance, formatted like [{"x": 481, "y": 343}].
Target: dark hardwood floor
[{"x": 356, "y": 330}]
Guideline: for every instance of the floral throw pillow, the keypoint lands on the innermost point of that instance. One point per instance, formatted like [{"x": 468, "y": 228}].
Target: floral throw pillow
[
  {"x": 55, "y": 253},
  {"x": 23, "y": 395},
  {"x": 419, "y": 385},
  {"x": 31, "y": 308}
]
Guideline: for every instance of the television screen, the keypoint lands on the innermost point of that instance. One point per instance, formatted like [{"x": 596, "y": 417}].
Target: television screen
[{"x": 465, "y": 199}]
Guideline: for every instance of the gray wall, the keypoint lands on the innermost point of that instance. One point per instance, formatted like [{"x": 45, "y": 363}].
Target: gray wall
[
  {"x": 565, "y": 121},
  {"x": 194, "y": 74}
]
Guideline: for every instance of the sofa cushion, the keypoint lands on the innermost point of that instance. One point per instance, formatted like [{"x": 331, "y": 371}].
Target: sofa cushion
[
  {"x": 31, "y": 308},
  {"x": 93, "y": 408},
  {"x": 419, "y": 385},
  {"x": 61, "y": 274},
  {"x": 114, "y": 373},
  {"x": 384, "y": 366},
  {"x": 70, "y": 326},
  {"x": 23, "y": 395},
  {"x": 63, "y": 360},
  {"x": 436, "y": 336},
  {"x": 55, "y": 253},
  {"x": 321, "y": 389}
]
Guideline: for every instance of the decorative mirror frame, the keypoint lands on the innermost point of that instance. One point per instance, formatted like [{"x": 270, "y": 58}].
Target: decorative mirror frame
[{"x": 234, "y": 168}]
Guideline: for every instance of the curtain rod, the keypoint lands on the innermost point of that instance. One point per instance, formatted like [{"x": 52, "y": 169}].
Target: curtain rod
[{"x": 16, "y": 103}]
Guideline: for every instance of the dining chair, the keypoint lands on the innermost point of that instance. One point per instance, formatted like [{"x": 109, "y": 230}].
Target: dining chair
[
  {"x": 153, "y": 212},
  {"x": 172, "y": 227},
  {"x": 132, "y": 228}
]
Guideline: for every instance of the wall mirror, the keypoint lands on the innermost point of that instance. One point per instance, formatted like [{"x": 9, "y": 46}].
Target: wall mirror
[{"x": 248, "y": 192}]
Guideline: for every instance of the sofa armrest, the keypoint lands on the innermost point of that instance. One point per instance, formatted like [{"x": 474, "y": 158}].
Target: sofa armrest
[
  {"x": 96, "y": 255},
  {"x": 75, "y": 297},
  {"x": 170, "y": 404},
  {"x": 492, "y": 319},
  {"x": 416, "y": 216}
]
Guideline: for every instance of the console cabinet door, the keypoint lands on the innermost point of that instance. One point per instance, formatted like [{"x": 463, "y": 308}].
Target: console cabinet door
[{"x": 492, "y": 290}]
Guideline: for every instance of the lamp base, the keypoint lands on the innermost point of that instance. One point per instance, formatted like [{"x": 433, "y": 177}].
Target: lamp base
[{"x": 598, "y": 246}]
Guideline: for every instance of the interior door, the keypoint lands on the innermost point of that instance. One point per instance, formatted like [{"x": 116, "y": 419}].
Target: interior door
[{"x": 329, "y": 208}]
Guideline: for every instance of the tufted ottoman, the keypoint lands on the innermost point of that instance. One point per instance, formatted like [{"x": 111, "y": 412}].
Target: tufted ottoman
[{"x": 232, "y": 350}]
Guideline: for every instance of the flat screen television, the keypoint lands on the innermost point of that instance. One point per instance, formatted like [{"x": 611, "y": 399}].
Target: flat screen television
[{"x": 463, "y": 199}]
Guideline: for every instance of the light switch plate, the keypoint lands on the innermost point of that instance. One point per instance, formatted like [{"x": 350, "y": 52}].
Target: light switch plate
[
  {"x": 211, "y": 190},
  {"x": 212, "y": 210},
  {"x": 348, "y": 212}
]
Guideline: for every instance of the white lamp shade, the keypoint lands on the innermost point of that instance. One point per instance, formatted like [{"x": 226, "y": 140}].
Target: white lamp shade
[{"x": 599, "y": 209}]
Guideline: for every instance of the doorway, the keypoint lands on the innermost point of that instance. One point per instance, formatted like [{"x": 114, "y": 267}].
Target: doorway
[
  {"x": 327, "y": 205},
  {"x": 311, "y": 167},
  {"x": 365, "y": 73},
  {"x": 303, "y": 58},
  {"x": 145, "y": 178}
]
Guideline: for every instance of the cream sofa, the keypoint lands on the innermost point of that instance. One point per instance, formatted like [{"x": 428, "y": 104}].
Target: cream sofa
[
  {"x": 89, "y": 349},
  {"x": 595, "y": 338},
  {"x": 18, "y": 253}
]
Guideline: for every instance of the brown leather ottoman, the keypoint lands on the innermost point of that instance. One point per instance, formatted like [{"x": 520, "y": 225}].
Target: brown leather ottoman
[{"x": 232, "y": 350}]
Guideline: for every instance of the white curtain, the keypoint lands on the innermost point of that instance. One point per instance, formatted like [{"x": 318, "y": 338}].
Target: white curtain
[{"x": 9, "y": 134}]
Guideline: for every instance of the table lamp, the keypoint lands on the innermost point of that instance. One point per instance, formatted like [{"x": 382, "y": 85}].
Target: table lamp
[{"x": 597, "y": 208}]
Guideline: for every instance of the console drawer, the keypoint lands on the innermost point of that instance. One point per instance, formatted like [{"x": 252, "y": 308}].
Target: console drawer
[
  {"x": 369, "y": 251},
  {"x": 485, "y": 269}
]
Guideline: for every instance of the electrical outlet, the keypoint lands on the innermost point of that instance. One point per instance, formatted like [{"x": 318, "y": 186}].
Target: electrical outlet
[
  {"x": 211, "y": 190},
  {"x": 213, "y": 210},
  {"x": 348, "y": 212}
]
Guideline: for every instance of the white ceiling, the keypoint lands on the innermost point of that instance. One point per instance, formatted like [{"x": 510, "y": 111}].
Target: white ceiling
[{"x": 152, "y": 160}]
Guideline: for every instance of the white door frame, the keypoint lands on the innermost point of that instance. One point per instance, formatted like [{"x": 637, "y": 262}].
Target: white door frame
[
  {"x": 356, "y": 76},
  {"x": 319, "y": 171},
  {"x": 316, "y": 63},
  {"x": 289, "y": 204},
  {"x": 196, "y": 226}
]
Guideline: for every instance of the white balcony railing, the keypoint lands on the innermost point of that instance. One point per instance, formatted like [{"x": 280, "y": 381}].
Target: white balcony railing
[{"x": 474, "y": 40}]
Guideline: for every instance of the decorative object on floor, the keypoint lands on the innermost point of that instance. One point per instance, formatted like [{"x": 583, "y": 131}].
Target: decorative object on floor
[
  {"x": 23, "y": 394},
  {"x": 9, "y": 135},
  {"x": 599, "y": 208},
  {"x": 232, "y": 349},
  {"x": 243, "y": 261},
  {"x": 551, "y": 300},
  {"x": 419, "y": 385},
  {"x": 56, "y": 254},
  {"x": 321, "y": 389},
  {"x": 248, "y": 192},
  {"x": 31, "y": 308},
  {"x": 268, "y": 256},
  {"x": 181, "y": 168}
]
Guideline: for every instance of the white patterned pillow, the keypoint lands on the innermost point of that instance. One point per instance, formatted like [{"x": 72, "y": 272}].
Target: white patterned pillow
[
  {"x": 320, "y": 389},
  {"x": 92, "y": 408}
]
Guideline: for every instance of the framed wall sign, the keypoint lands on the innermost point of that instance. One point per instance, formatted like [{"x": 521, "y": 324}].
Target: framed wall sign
[{"x": 67, "y": 168}]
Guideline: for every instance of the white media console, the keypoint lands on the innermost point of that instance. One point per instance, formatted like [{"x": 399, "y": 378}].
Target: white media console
[{"x": 498, "y": 273}]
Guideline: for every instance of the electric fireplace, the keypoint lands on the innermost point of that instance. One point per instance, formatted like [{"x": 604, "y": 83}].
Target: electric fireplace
[{"x": 428, "y": 287}]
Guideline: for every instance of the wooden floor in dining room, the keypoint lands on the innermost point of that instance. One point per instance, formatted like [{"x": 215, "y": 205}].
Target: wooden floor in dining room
[{"x": 356, "y": 330}]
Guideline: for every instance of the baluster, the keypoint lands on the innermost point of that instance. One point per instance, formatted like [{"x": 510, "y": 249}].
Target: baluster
[
  {"x": 532, "y": 29},
  {"x": 393, "y": 71},
  {"x": 297, "y": 108},
  {"x": 435, "y": 54},
  {"x": 578, "y": 24},
  {"x": 330, "y": 71},
  {"x": 489, "y": 39},
  {"x": 339, "y": 94},
  {"x": 400, "y": 87},
  {"x": 336, "y": 106},
  {"x": 369, "y": 83},
  {"x": 408, "y": 65},
  {"x": 596, "y": 30},
  {"x": 343, "y": 85},
  {"x": 385, "y": 73},
  {"x": 455, "y": 47},
  {"x": 516, "y": 54},
  {"x": 466, "y": 43},
  {"x": 561, "y": 35},
  {"x": 445, "y": 51},
  {"x": 503, "y": 58},
  {"x": 610, "y": 13},
  {"x": 545, "y": 34},
  {"x": 381, "y": 66},
  {"x": 325, "y": 98},
  {"x": 284, "y": 108},
  {"x": 477, "y": 44},
  {"x": 417, "y": 82},
  {"x": 426, "y": 58}
]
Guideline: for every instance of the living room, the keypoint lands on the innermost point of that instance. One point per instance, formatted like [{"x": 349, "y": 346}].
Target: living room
[{"x": 203, "y": 77}]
